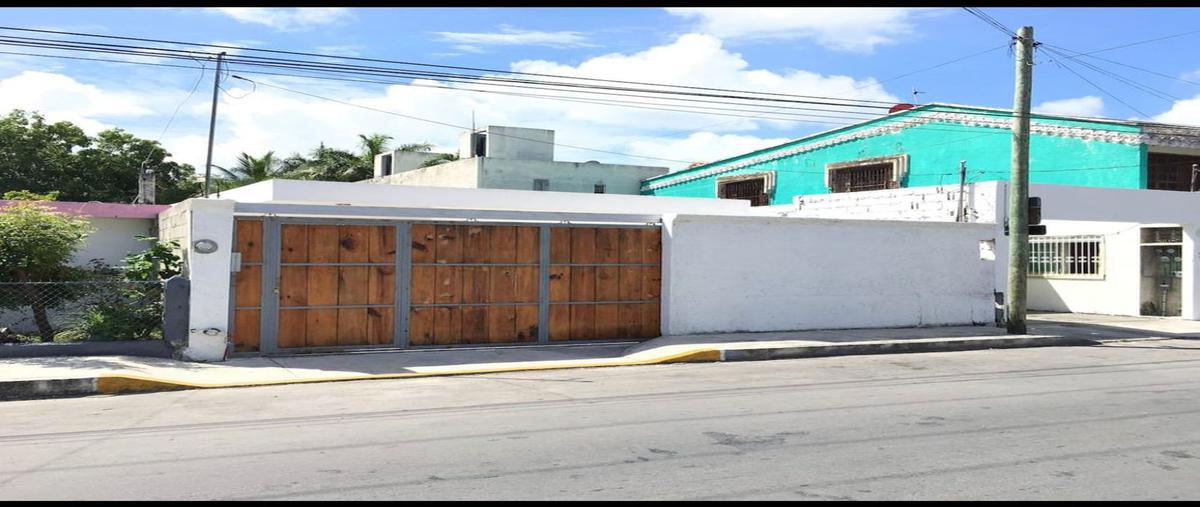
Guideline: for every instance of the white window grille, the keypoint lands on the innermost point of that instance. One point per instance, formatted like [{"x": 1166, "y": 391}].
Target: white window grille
[{"x": 1067, "y": 257}]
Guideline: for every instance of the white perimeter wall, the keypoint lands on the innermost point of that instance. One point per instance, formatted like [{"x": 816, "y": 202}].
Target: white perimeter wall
[
  {"x": 459, "y": 173},
  {"x": 1118, "y": 293},
  {"x": 731, "y": 274},
  {"x": 1116, "y": 214},
  {"x": 348, "y": 195},
  {"x": 113, "y": 239}
]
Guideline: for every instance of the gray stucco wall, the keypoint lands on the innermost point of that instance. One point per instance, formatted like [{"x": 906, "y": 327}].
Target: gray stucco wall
[
  {"x": 459, "y": 173},
  {"x": 566, "y": 176}
]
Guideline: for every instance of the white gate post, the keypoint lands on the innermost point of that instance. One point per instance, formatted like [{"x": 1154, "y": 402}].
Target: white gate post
[{"x": 209, "y": 270}]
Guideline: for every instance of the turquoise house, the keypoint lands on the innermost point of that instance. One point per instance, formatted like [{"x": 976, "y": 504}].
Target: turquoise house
[{"x": 924, "y": 145}]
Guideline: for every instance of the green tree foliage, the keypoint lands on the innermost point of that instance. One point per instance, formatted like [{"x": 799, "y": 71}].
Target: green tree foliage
[
  {"x": 36, "y": 243},
  {"x": 329, "y": 164},
  {"x": 133, "y": 311},
  {"x": 440, "y": 158},
  {"x": 42, "y": 157},
  {"x": 250, "y": 169},
  {"x": 25, "y": 195},
  {"x": 373, "y": 144}
]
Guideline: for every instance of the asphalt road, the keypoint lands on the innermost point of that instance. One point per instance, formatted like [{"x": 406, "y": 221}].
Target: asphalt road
[{"x": 1111, "y": 422}]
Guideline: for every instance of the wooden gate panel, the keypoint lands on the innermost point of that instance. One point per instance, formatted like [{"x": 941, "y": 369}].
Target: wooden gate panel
[
  {"x": 468, "y": 284},
  {"x": 316, "y": 285},
  {"x": 611, "y": 275},
  {"x": 469, "y": 277},
  {"x": 247, "y": 286}
]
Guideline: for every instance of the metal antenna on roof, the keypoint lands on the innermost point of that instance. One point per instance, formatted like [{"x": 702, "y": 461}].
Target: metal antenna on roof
[{"x": 914, "y": 94}]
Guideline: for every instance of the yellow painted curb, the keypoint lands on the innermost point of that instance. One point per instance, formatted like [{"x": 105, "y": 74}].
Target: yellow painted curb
[{"x": 118, "y": 384}]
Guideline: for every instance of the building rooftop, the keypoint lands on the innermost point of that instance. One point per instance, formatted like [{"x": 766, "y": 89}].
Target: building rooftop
[
  {"x": 1152, "y": 132},
  {"x": 96, "y": 209}
]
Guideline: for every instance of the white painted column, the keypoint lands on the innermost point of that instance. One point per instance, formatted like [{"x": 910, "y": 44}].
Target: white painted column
[
  {"x": 210, "y": 276},
  {"x": 665, "y": 293},
  {"x": 1191, "y": 272}
]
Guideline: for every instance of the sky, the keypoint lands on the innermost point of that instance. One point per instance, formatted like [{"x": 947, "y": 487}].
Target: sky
[{"x": 856, "y": 53}]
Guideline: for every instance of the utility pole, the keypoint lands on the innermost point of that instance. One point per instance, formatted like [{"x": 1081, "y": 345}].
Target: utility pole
[
  {"x": 1195, "y": 174},
  {"x": 1018, "y": 187},
  {"x": 212, "y": 125},
  {"x": 959, "y": 215}
]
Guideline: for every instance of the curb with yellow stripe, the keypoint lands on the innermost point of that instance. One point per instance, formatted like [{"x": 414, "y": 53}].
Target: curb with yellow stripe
[{"x": 123, "y": 384}]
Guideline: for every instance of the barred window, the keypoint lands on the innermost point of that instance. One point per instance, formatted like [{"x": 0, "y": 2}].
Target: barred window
[
  {"x": 862, "y": 178},
  {"x": 1066, "y": 257}
]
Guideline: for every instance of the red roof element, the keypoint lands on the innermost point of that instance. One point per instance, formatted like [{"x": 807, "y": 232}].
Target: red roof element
[
  {"x": 101, "y": 209},
  {"x": 900, "y": 107}
]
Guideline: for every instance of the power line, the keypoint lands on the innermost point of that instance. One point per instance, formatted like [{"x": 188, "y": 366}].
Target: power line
[
  {"x": 978, "y": 13},
  {"x": 852, "y": 120},
  {"x": 335, "y": 69},
  {"x": 426, "y": 120},
  {"x": 485, "y": 81},
  {"x": 916, "y": 124},
  {"x": 943, "y": 64},
  {"x": 418, "y": 64},
  {"x": 1147, "y": 41},
  {"x": 1114, "y": 62},
  {"x": 1098, "y": 87},
  {"x": 1149, "y": 90}
]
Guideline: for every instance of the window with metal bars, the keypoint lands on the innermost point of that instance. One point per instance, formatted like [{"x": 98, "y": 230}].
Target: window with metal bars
[
  {"x": 1170, "y": 172},
  {"x": 1066, "y": 257},
  {"x": 862, "y": 178},
  {"x": 753, "y": 190}
]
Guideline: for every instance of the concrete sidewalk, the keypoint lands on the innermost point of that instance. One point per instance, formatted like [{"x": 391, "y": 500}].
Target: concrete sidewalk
[
  {"x": 61, "y": 376},
  {"x": 68, "y": 376}
]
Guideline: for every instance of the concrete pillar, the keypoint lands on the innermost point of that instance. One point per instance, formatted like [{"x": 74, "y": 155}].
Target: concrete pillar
[
  {"x": 665, "y": 292},
  {"x": 1191, "y": 272},
  {"x": 211, "y": 278}
]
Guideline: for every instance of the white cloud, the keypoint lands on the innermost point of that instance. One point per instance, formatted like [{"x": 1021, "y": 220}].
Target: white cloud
[
  {"x": 857, "y": 29},
  {"x": 62, "y": 98},
  {"x": 341, "y": 50},
  {"x": 286, "y": 19},
  {"x": 702, "y": 147},
  {"x": 271, "y": 119},
  {"x": 467, "y": 48},
  {"x": 509, "y": 36},
  {"x": 1183, "y": 112},
  {"x": 1090, "y": 105}
]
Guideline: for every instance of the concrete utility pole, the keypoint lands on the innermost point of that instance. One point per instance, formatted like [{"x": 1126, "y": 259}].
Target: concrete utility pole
[
  {"x": 212, "y": 125},
  {"x": 1018, "y": 187},
  {"x": 959, "y": 215},
  {"x": 1195, "y": 175}
]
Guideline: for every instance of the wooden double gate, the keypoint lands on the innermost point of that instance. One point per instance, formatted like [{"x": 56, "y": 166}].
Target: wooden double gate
[{"x": 412, "y": 284}]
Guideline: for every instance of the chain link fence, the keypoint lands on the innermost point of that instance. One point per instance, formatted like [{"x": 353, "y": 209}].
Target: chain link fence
[{"x": 77, "y": 311}]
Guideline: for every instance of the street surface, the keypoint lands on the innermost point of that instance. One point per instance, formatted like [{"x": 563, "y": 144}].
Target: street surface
[{"x": 1110, "y": 422}]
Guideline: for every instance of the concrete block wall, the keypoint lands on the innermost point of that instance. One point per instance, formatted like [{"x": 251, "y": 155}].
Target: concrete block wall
[
  {"x": 174, "y": 225},
  {"x": 210, "y": 273},
  {"x": 741, "y": 273},
  {"x": 930, "y": 204}
]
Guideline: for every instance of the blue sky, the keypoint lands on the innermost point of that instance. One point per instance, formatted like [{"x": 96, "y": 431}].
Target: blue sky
[{"x": 827, "y": 52}]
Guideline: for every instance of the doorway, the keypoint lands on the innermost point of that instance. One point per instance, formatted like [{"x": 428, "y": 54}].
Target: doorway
[{"x": 1162, "y": 271}]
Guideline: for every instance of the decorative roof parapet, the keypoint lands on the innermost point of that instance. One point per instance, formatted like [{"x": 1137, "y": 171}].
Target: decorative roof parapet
[{"x": 1179, "y": 137}]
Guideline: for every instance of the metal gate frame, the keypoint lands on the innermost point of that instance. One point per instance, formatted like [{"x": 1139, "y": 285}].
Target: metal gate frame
[{"x": 271, "y": 268}]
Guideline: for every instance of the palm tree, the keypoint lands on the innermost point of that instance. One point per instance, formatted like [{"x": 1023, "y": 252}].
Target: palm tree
[
  {"x": 440, "y": 158},
  {"x": 250, "y": 169},
  {"x": 328, "y": 164},
  {"x": 416, "y": 147},
  {"x": 373, "y": 144}
]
